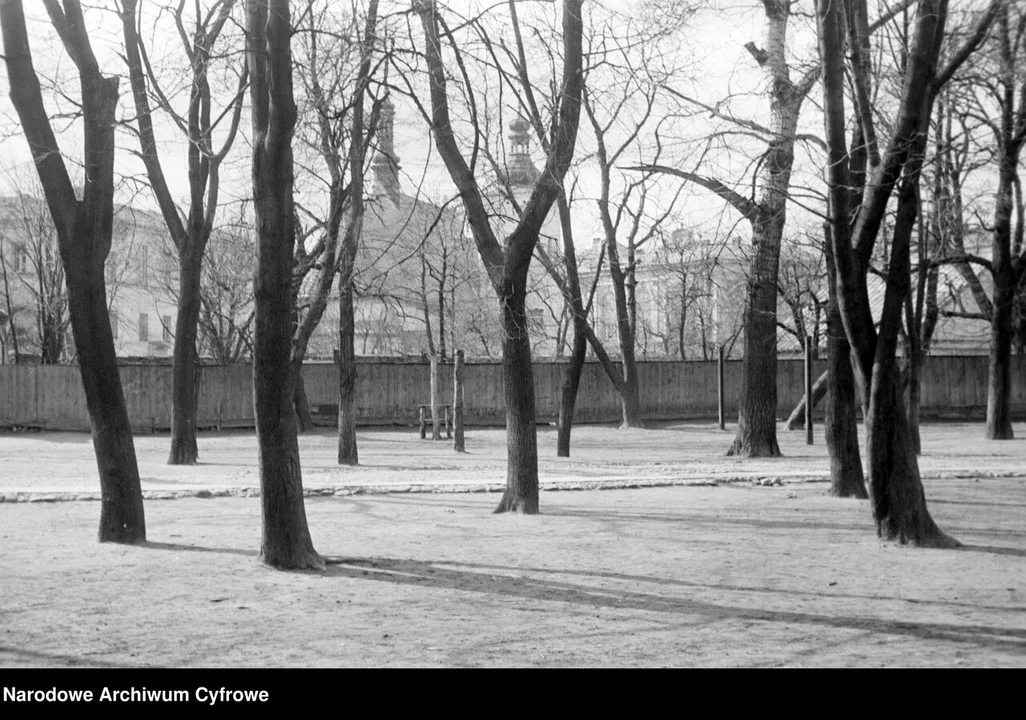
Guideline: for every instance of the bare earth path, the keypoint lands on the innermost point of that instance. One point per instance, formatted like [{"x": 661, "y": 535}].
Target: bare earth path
[{"x": 708, "y": 562}]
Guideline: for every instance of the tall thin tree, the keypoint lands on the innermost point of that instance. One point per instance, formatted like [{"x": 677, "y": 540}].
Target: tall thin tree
[
  {"x": 189, "y": 231},
  {"x": 508, "y": 263}
]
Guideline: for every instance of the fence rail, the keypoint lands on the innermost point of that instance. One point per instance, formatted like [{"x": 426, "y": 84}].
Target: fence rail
[{"x": 51, "y": 396}]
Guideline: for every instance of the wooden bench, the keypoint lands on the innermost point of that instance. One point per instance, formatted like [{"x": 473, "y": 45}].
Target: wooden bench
[{"x": 425, "y": 411}]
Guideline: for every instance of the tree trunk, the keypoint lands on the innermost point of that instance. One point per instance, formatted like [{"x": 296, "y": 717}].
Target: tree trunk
[
  {"x": 122, "y": 518},
  {"x": 568, "y": 393},
  {"x": 185, "y": 368},
  {"x": 348, "y": 453},
  {"x": 574, "y": 298},
  {"x": 999, "y": 387},
  {"x": 521, "y": 493},
  {"x": 841, "y": 426},
  {"x": 757, "y": 404},
  {"x": 285, "y": 538},
  {"x": 895, "y": 488}
]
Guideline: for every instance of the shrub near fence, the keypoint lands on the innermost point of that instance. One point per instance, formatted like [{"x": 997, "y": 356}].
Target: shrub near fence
[{"x": 51, "y": 396}]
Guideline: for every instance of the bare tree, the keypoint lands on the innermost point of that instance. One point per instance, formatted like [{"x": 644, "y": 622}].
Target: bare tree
[
  {"x": 285, "y": 540},
  {"x": 84, "y": 228},
  {"x": 34, "y": 271},
  {"x": 895, "y": 489},
  {"x": 190, "y": 231},
  {"x": 766, "y": 213},
  {"x": 1001, "y": 107},
  {"x": 336, "y": 71},
  {"x": 508, "y": 263}
]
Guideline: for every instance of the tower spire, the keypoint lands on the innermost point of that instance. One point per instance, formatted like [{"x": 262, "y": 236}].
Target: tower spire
[{"x": 521, "y": 172}]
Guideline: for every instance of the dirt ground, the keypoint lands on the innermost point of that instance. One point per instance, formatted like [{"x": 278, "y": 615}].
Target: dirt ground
[{"x": 669, "y": 554}]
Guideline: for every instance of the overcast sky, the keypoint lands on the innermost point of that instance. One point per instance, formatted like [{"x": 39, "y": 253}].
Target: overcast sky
[{"x": 713, "y": 44}]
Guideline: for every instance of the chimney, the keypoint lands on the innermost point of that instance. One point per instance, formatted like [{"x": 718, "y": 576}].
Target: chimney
[{"x": 385, "y": 162}]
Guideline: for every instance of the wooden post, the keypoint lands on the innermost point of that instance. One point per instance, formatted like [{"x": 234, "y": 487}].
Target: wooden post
[
  {"x": 719, "y": 385},
  {"x": 808, "y": 390},
  {"x": 423, "y": 424},
  {"x": 457, "y": 403},
  {"x": 436, "y": 430}
]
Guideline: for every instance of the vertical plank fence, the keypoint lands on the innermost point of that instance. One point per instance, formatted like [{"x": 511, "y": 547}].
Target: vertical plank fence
[{"x": 390, "y": 392}]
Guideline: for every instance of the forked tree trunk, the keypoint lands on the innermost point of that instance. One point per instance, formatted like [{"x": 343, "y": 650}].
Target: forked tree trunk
[
  {"x": 521, "y": 494},
  {"x": 84, "y": 229},
  {"x": 285, "y": 538},
  {"x": 895, "y": 488},
  {"x": 575, "y": 299}
]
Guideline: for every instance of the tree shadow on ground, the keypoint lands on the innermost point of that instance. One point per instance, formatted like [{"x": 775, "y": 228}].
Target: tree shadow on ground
[
  {"x": 706, "y": 520},
  {"x": 730, "y": 588},
  {"x": 178, "y": 547},
  {"x": 445, "y": 576},
  {"x": 1007, "y": 504},
  {"x": 994, "y": 549},
  {"x": 23, "y": 658}
]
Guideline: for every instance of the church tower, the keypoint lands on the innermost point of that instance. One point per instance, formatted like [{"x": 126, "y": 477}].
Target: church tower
[{"x": 521, "y": 173}]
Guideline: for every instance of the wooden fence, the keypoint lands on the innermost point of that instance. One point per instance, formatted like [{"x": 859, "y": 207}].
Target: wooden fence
[{"x": 51, "y": 397}]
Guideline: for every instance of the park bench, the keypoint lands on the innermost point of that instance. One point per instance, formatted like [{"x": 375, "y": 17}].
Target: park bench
[{"x": 425, "y": 412}]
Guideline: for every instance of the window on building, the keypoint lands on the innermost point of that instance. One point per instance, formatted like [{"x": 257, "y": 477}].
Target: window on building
[
  {"x": 166, "y": 322},
  {"x": 20, "y": 259},
  {"x": 144, "y": 327},
  {"x": 536, "y": 318},
  {"x": 144, "y": 267}
]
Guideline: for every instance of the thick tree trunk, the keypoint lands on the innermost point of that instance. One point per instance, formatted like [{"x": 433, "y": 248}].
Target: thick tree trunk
[
  {"x": 521, "y": 493},
  {"x": 285, "y": 538},
  {"x": 757, "y": 405},
  {"x": 348, "y": 454},
  {"x": 185, "y": 369},
  {"x": 895, "y": 488},
  {"x": 122, "y": 519}
]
